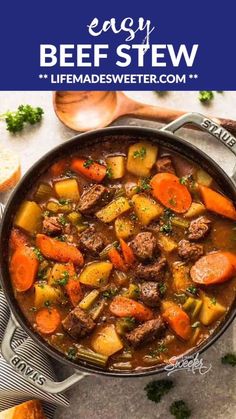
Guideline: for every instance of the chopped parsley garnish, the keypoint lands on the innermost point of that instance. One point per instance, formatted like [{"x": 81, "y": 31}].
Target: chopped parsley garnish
[
  {"x": 213, "y": 301},
  {"x": 88, "y": 163},
  {"x": 162, "y": 288},
  {"x": 144, "y": 185},
  {"x": 229, "y": 359},
  {"x": 25, "y": 114},
  {"x": 71, "y": 353},
  {"x": 109, "y": 293},
  {"x": 38, "y": 254},
  {"x": 47, "y": 303},
  {"x": 192, "y": 289},
  {"x": 157, "y": 351},
  {"x": 46, "y": 213},
  {"x": 62, "y": 220},
  {"x": 166, "y": 228},
  {"x": 206, "y": 96},
  {"x": 33, "y": 309},
  {"x": 109, "y": 173},
  {"x": 157, "y": 389},
  {"x": 61, "y": 238},
  {"x": 64, "y": 201},
  {"x": 183, "y": 180},
  {"x": 180, "y": 410},
  {"x": 64, "y": 278},
  {"x": 133, "y": 217},
  {"x": 140, "y": 154}
]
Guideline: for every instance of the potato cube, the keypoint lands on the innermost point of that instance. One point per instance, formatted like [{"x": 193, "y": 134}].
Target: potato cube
[
  {"x": 141, "y": 158},
  {"x": 146, "y": 208},
  {"x": 106, "y": 341},
  {"x": 67, "y": 189},
  {"x": 113, "y": 210},
  {"x": 116, "y": 164}
]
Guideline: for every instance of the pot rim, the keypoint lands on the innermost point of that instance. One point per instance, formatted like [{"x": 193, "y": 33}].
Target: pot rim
[{"x": 101, "y": 134}]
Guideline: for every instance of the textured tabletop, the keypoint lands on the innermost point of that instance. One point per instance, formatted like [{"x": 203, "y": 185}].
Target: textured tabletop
[{"x": 210, "y": 396}]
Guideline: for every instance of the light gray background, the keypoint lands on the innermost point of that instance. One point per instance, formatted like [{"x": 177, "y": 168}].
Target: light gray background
[{"x": 210, "y": 396}]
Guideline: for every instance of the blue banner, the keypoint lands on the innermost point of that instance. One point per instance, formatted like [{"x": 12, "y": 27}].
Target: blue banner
[{"x": 153, "y": 45}]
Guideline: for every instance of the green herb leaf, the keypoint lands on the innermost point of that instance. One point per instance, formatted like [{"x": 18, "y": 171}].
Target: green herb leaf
[
  {"x": 156, "y": 389},
  {"x": 38, "y": 254},
  {"x": 88, "y": 163},
  {"x": 229, "y": 359},
  {"x": 206, "y": 96},
  {"x": 140, "y": 154},
  {"x": 180, "y": 410},
  {"x": 192, "y": 289},
  {"x": 62, "y": 220},
  {"x": 71, "y": 353},
  {"x": 25, "y": 114},
  {"x": 109, "y": 173}
]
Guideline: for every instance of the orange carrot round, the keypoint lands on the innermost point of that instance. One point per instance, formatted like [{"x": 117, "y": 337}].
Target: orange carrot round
[
  {"x": 23, "y": 268},
  {"x": 218, "y": 203},
  {"x": 116, "y": 259},
  {"x": 214, "y": 268},
  {"x": 57, "y": 250},
  {"x": 178, "y": 320},
  {"x": 48, "y": 320},
  {"x": 125, "y": 307},
  {"x": 167, "y": 189},
  {"x": 89, "y": 169},
  {"x": 127, "y": 253}
]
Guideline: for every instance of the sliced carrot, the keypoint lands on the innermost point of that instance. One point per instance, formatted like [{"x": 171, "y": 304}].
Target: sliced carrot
[
  {"x": 218, "y": 203},
  {"x": 177, "y": 319},
  {"x": 167, "y": 189},
  {"x": 125, "y": 307},
  {"x": 89, "y": 169},
  {"x": 127, "y": 253},
  {"x": 57, "y": 250},
  {"x": 58, "y": 168},
  {"x": 214, "y": 268},
  {"x": 48, "y": 320},
  {"x": 73, "y": 287},
  {"x": 17, "y": 239},
  {"x": 23, "y": 268},
  {"x": 116, "y": 259}
]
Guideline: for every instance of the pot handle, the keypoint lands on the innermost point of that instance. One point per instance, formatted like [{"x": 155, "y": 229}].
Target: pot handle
[
  {"x": 30, "y": 373},
  {"x": 208, "y": 125}
]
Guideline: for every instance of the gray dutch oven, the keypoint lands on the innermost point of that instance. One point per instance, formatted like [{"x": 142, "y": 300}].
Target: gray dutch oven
[{"x": 164, "y": 137}]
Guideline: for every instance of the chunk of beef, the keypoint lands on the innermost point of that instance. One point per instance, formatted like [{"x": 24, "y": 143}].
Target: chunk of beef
[
  {"x": 146, "y": 332},
  {"x": 199, "y": 228},
  {"x": 189, "y": 251},
  {"x": 165, "y": 165},
  {"x": 144, "y": 245},
  {"x": 151, "y": 272},
  {"x": 150, "y": 294},
  {"x": 91, "y": 241},
  {"x": 93, "y": 199},
  {"x": 78, "y": 323},
  {"x": 52, "y": 226}
]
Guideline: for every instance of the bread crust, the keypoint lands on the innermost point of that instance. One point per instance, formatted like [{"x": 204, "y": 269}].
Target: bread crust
[{"x": 31, "y": 409}]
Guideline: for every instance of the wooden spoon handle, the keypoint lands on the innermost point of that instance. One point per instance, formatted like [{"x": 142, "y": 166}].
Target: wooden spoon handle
[{"x": 166, "y": 115}]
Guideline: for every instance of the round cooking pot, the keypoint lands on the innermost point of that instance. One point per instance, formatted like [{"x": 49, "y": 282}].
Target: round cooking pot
[{"x": 164, "y": 137}]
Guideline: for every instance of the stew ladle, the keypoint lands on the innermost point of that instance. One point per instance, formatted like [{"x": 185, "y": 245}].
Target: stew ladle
[{"x": 87, "y": 110}]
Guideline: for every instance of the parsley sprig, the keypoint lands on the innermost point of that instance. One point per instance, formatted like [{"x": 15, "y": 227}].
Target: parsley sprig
[{"x": 25, "y": 114}]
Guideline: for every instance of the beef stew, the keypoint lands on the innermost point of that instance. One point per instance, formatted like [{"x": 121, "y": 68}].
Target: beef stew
[{"x": 124, "y": 255}]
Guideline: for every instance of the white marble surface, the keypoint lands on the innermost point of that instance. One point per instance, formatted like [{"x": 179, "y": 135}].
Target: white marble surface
[{"x": 211, "y": 396}]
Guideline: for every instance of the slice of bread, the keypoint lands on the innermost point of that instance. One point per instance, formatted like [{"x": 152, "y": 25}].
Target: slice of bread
[
  {"x": 10, "y": 170},
  {"x": 27, "y": 410}
]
